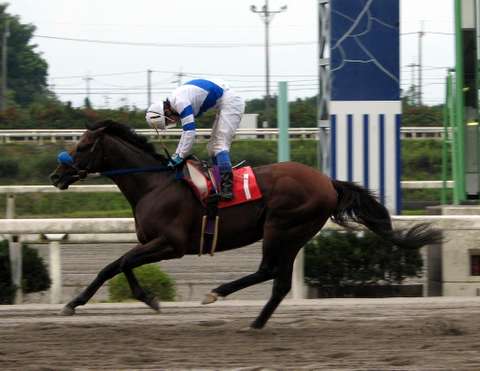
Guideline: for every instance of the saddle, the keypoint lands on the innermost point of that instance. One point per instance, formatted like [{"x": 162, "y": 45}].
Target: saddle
[{"x": 204, "y": 180}]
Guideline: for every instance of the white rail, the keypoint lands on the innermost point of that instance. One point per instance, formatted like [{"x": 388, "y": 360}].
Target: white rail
[
  {"x": 19, "y": 189},
  {"x": 11, "y": 191},
  {"x": 120, "y": 229},
  {"x": 68, "y": 135},
  {"x": 28, "y": 135}
]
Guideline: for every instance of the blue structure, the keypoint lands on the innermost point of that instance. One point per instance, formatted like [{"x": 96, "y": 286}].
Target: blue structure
[{"x": 365, "y": 106}]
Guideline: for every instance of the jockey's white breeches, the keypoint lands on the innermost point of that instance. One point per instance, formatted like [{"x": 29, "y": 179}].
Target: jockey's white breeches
[{"x": 230, "y": 111}]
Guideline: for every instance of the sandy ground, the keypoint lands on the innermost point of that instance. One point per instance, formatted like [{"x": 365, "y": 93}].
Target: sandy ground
[{"x": 331, "y": 334}]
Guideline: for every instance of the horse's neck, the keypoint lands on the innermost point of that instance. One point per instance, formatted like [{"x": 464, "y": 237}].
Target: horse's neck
[{"x": 127, "y": 156}]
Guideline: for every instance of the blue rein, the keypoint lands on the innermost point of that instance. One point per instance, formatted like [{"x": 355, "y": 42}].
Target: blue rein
[
  {"x": 65, "y": 158},
  {"x": 148, "y": 169}
]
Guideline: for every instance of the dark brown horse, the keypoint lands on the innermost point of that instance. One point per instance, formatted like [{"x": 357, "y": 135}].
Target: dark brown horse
[{"x": 297, "y": 202}]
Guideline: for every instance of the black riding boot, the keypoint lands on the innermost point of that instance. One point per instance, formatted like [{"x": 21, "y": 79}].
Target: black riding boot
[{"x": 226, "y": 187}]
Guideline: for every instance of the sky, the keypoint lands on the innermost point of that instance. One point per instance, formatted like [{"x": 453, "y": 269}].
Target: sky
[{"x": 222, "y": 39}]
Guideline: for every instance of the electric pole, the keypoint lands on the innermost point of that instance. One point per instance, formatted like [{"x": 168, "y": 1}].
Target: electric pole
[
  {"x": 149, "y": 87},
  {"x": 420, "y": 37},
  {"x": 87, "y": 82},
  {"x": 413, "y": 88},
  {"x": 3, "y": 97},
  {"x": 179, "y": 78},
  {"x": 267, "y": 15}
]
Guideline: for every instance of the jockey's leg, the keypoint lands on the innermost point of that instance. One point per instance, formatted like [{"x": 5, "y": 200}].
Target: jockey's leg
[
  {"x": 226, "y": 124},
  {"x": 226, "y": 174}
]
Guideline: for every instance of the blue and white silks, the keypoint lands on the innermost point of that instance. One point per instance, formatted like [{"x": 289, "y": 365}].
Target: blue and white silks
[{"x": 198, "y": 96}]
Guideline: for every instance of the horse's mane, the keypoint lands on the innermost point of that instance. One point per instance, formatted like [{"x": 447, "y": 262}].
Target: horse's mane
[{"x": 128, "y": 134}]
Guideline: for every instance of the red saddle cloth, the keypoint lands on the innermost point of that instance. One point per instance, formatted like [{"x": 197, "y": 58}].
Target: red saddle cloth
[{"x": 245, "y": 187}]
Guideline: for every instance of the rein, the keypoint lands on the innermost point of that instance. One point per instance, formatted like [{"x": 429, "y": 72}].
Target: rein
[
  {"x": 66, "y": 159},
  {"x": 148, "y": 169}
]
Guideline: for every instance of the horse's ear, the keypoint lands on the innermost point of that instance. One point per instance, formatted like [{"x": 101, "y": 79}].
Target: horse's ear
[
  {"x": 100, "y": 124},
  {"x": 91, "y": 126},
  {"x": 97, "y": 132}
]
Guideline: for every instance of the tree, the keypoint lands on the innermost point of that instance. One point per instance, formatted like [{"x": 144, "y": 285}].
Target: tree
[
  {"x": 27, "y": 69},
  {"x": 421, "y": 115}
]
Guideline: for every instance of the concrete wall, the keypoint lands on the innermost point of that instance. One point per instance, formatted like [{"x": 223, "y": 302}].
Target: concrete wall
[{"x": 450, "y": 262}]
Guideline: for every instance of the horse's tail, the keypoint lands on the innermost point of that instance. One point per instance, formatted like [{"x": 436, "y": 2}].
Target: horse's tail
[{"x": 359, "y": 205}]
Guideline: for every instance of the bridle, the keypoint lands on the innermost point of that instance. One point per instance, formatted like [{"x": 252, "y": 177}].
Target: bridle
[{"x": 66, "y": 159}]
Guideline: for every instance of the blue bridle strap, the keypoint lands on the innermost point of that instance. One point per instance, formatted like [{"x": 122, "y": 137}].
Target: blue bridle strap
[
  {"x": 149, "y": 169},
  {"x": 65, "y": 158}
]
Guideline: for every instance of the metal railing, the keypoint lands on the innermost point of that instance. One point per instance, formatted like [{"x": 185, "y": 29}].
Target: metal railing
[
  {"x": 69, "y": 135},
  {"x": 56, "y": 231}
]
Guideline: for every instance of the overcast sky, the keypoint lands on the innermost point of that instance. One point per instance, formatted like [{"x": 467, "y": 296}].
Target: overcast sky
[{"x": 118, "y": 72}]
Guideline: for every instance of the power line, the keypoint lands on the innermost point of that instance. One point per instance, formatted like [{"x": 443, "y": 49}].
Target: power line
[
  {"x": 179, "y": 45},
  {"x": 98, "y": 75}
]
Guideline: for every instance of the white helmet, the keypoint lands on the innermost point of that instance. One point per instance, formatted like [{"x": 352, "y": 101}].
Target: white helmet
[{"x": 155, "y": 116}]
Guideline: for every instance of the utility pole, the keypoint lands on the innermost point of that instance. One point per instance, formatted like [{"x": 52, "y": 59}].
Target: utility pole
[
  {"x": 87, "y": 82},
  {"x": 420, "y": 93},
  {"x": 3, "y": 94},
  {"x": 267, "y": 15},
  {"x": 149, "y": 87},
  {"x": 179, "y": 75},
  {"x": 413, "y": 96}
]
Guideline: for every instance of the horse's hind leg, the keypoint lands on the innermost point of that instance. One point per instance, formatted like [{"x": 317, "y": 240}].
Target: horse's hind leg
[
  {"x": 281, "y": 286},
  {"x": 265, "y": 272}
]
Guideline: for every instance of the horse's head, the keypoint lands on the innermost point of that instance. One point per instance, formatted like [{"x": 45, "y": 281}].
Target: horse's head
[
  {"x": 94, "y": 150},
  {"x": 85, "y": 158}
]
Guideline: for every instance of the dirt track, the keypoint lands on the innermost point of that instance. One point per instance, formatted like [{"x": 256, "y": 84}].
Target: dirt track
[{"x": 334, "y": 334}]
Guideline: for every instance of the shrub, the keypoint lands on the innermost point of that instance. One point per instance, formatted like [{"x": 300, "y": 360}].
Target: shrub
[
  {"x": 150, "y": 277},
  {"x": 335, "y": 259},
  {"x": 34, "y": 273}
]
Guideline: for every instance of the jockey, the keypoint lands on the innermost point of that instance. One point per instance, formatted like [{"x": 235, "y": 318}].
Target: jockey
[{"x": 189, "y": 101}]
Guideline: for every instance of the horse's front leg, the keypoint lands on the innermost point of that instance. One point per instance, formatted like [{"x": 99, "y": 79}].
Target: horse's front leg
[{"x": 153, "y": 251}]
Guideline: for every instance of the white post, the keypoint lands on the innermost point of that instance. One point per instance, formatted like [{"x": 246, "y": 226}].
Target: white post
[
  {"x": 10, "y": 209},
  {"x": 55, "y": 267},
  {"x": 15, "y": 252},
  {"x": 298, "y": 285}
]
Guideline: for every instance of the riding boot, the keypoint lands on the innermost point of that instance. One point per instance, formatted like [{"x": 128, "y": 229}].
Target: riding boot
[{"x": 226, "y": 187}]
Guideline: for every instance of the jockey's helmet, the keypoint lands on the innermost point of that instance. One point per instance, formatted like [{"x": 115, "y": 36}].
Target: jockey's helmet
[{"x": 155, "y": 116}]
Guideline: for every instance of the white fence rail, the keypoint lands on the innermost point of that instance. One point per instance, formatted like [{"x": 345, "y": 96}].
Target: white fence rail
[
  {"x": 121, "y": 229},
  {"x": 11, "y": 191},
  {"x": 68, "y": 135}
]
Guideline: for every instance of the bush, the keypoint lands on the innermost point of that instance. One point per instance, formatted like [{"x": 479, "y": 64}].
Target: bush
[
  {"x": 34, "y": 273},
  {"x": 337, "y": 259},
  {"x": 150, "y": 277}
]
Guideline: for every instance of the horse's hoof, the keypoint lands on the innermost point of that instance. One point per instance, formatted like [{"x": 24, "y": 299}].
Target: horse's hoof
[
  {"x": 67, "y": 311},
  {"x": 154, "y": 304},
  {"x": 248, "y": 330},
  {"x": 210, "y": 298}
]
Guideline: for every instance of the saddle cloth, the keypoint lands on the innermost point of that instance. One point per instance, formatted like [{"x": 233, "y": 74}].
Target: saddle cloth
[{"x": 245, "y": 187}]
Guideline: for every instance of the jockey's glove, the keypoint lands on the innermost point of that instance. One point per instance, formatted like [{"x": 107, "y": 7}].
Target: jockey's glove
[{"x": 175, "y": 161}]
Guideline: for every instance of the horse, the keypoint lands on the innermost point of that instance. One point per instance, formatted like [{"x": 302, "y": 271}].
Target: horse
[{"x": 297, "y": 201}]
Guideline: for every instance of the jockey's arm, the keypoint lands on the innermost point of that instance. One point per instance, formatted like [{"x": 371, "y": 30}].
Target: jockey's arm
[{"x": 187, "y": 139}]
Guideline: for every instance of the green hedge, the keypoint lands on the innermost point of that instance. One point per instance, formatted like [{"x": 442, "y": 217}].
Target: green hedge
[
  {"x": 336, "y": 258},
  {"x": 150, "y": 277}
]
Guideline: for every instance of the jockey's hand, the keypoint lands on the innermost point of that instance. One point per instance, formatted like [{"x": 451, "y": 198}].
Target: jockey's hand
[{"x": 175, "y": 161}]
